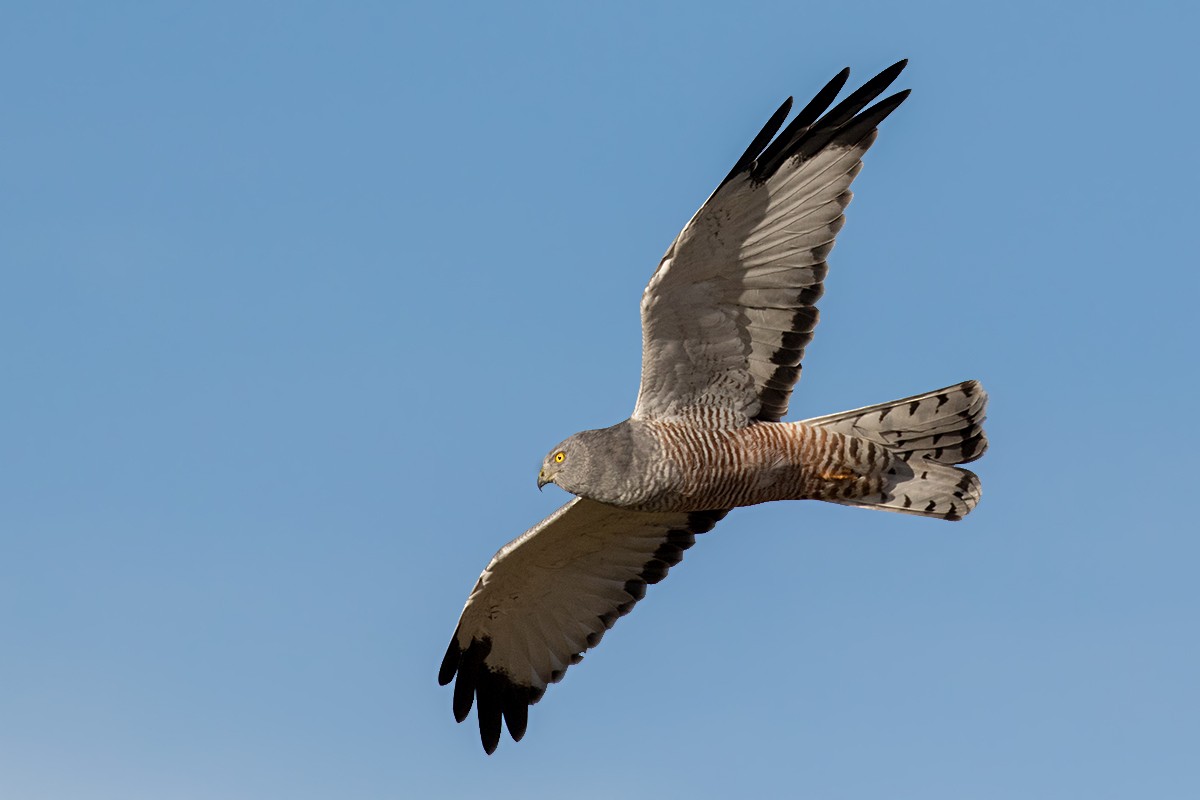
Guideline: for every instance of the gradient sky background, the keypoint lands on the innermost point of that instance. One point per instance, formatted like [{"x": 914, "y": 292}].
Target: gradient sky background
[{"x": 294, "y": 298}]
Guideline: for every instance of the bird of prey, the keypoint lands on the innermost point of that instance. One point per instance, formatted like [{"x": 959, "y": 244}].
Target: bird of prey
[{"x": 725, "y": 321}]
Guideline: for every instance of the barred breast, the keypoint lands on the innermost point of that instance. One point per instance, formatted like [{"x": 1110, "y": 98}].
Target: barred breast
[{"x": 727, "y": 468}]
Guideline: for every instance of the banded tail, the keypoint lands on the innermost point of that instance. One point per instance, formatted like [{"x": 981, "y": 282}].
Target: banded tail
[{"x": 928, "y": 434}]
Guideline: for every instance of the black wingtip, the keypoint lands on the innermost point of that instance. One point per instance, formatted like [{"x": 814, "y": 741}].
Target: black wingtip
[
  {"x": 489, "y": 738},
  {"x": 885, "y": 77},
  {"x": 832, "y": 89},
  {"x": 868, "y": 120},
  {"x": 760, "y": 141},
  {"x": 516, "y": 711},
  {"x": 769, "y": 160},
  {"x": 490, "y": 710},
  {"x": 470, "y": 671},
  {"x": 816, "y": 124},
  {"x": 821, "y": 100},
  {"x": 450, "y": 662},
  {"x": 857, "y": 100},
  {"x": 464, "y": 697}
]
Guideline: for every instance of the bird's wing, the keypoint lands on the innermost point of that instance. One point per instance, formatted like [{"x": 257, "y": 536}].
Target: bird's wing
[
  {"x": 731, "y": 307},
  {"x": 549, "y": 595}
]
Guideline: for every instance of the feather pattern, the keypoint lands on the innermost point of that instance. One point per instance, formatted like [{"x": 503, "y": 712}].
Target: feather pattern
[
  {"x": 945, "y": 425},
  {"x": 929, "y": 434},
  {"x": 757, "y": 246}
]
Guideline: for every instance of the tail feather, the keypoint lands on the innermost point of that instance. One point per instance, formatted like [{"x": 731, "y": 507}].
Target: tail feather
[
  {"x": 945, "y": 425},
  {"x": 925, "y": 436},
  {"x": 925, "y": 488}
]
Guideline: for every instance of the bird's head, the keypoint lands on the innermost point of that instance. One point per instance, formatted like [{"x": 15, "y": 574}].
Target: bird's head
[
  {"x": 603, "y": 465},
  {"x": 566, "y": 464}
]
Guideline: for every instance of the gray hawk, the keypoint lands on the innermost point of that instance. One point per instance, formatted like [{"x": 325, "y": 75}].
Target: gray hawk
[{"x": 725, "y": 321}]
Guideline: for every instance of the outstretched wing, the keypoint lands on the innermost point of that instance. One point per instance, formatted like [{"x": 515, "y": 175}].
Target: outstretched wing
[
  {"x": 549, "y": 595},
  {"x": 728, "y": 313}
]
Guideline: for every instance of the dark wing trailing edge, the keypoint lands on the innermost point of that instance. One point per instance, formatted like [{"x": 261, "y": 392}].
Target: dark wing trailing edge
[
  {"x": 548, "y": 596},
  {"x": 750, "y": 265}
]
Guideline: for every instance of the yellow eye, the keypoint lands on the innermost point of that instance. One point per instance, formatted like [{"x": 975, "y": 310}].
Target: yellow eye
[{"x": 560, "y": 457}]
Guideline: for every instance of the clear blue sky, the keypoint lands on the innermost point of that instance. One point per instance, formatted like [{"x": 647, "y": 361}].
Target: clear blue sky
[{"x": 294, "y": 297}]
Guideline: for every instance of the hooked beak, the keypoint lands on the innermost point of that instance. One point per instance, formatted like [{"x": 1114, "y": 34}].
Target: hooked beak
[{"x": 542, "y": 479}]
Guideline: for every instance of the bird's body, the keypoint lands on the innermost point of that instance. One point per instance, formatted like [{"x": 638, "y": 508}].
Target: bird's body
[
  {"x": 726, "y": 318},
  {"x": 758, "y": 463},
  {"x": 677, "y": 465},
  {"x": 768, "y": 461}
]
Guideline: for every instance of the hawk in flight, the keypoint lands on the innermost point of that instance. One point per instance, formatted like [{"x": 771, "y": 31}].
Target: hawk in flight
[{"x": 725, "y": 320}]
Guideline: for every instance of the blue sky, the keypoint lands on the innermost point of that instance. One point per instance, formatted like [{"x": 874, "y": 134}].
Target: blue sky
[{"x": 294, "y": 299}]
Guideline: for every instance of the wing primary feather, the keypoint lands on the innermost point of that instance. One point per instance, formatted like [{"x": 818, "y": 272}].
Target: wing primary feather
[
  {"x": 811, "y": 138},
  {"x": 470, "y": 669},
  {"x": 857, "y": 100},
  {"x": 823, "y": 99},
  {"x": 450, "y": 662},
  {"x": 868, "y": 120},
  {"x": 779, "y": 149},
  {"x": 844, "y": 122},
  {"x": 516, "y": 711},
  {"x": 491, "y": 692},
  {"x": 760, "y": 141}
]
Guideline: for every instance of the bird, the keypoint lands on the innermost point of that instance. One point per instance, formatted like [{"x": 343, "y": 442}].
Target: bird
[{"x": 726, "y": 318}]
